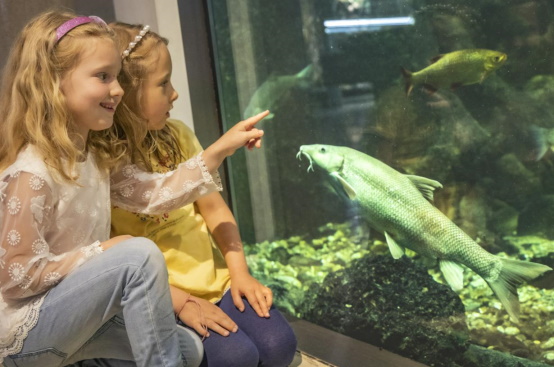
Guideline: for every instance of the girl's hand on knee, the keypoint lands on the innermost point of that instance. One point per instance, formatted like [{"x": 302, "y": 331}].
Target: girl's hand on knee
[
  {"x": 201, "y": 312},
  {"x": 258, "y": 295},
  {"x": 115, "y": 240}
]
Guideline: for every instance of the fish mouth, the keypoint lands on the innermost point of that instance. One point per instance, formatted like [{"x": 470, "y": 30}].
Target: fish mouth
[{"x": 303, "y": 153}]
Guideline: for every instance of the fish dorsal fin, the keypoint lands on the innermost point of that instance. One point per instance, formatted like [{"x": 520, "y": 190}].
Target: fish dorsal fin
[
  {"x": 425, "y": 185},
  {"x": 453, "y": 273},
  {"x": 349, "y": 190},
  {"x": 396, "y": 251},
  {"x": 435, "y": 58}
]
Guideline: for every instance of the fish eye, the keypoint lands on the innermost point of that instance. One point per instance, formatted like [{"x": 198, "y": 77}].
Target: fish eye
[{"x": 322, "y": 150}]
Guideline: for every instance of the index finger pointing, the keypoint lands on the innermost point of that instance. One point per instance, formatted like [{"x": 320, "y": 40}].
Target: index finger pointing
[{"x": 251, "y": 121}]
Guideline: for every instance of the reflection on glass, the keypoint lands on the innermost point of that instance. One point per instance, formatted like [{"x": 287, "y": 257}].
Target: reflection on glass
[
  {"x": 455, "y": 99},
  {"x": 360, "y": 25}
]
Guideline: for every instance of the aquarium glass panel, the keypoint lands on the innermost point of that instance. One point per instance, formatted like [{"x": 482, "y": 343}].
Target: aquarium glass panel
[{"x": 404, "y": 191}]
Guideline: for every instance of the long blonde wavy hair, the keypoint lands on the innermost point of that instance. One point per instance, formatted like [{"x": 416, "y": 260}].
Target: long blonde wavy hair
[
  {"x": 32, "y": 106},
  {"x": 130, "y": 125}
]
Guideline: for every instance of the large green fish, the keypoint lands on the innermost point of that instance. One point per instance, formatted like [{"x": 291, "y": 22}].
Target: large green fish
[
  {"x": 399, "y": 206},
  {"x": 270, "y": 93},
  {"x": 454, "y": 69}
]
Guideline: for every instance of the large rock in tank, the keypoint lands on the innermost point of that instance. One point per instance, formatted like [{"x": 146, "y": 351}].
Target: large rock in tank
[{"x": 394, "y": 304}]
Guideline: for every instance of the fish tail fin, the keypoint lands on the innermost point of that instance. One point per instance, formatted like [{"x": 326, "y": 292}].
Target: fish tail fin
[
  {"x": 513, "y": 273},
  {"x": 306, "y": 77},
  {"x": 407, "y": 80},
  {"x": 306, "y": 73},
  {"x": 539, "y": 142}
]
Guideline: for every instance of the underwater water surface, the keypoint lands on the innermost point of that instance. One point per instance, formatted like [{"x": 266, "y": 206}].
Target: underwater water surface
[{"x": 404, "y": 194}]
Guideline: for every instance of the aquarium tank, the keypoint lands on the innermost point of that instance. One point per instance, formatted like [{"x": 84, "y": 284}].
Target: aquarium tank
[{"x": 404, "y": 192}]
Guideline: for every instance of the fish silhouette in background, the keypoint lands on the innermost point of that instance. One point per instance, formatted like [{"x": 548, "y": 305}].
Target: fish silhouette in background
[
  {"x": 454, "y": 69},
  {"x": 273, "y": 89},
  {"x": 399, "y": 206}
]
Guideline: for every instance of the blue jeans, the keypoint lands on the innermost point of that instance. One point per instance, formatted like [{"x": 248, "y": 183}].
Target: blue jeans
[
  {"x": 116, "y": 305},
  {"x": 258, "y": 342}
]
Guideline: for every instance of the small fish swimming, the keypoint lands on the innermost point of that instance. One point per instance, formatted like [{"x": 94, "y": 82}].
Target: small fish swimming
[
  {"x": 454, "y": 69},
  {"x": 272, "y": 90},
  {"x": 399, "y": 206}
]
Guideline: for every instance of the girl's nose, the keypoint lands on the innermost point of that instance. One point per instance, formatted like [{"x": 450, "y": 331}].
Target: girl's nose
[
  {"x": 116, "y": 90},
  {"x": 174, "y": 96}
]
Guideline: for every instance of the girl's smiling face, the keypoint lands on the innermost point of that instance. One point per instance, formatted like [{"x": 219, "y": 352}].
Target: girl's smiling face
[
  {"x": 91, "y": 89},
  {"x": 157, "y": 91}
]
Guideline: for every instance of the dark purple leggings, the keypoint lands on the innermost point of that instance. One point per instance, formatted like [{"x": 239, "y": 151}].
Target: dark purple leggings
[{"x": 258, "y": 342}]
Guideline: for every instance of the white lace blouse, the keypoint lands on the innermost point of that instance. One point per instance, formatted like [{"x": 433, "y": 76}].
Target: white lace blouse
[{"x": 49, "y": 228}]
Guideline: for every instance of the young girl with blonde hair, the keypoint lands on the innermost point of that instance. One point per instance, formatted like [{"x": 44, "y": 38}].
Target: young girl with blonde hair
[
  {"x": 68, "y": 291},
  {"x": 211, "y": 287}
]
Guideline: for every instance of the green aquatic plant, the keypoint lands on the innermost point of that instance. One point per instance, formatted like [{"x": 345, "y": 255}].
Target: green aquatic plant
[{"x": 291, "y": 267}]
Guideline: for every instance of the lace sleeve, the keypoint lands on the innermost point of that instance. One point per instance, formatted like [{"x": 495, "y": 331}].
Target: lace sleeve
[
  {"x": 156, "y": 193},
  {"x": 29, "y": 264}
]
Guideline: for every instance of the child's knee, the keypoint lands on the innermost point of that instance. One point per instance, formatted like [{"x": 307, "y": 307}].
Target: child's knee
[
  {"x": 245, "y": 355},
  {"x": 191, "y": 346},
  {"x": 278, "y": 348},
  {"x": 236, "y": 350},
  {"x": 141, "y": 251}
]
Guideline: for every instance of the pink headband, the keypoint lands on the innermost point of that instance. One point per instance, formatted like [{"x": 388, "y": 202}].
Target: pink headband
[{"x": 75, "y": 22}]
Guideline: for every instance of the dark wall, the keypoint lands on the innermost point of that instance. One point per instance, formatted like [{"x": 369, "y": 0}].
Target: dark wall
[{"x": 15, "y": 14}]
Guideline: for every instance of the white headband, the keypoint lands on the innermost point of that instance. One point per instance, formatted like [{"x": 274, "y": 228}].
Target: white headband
[{"x": 135, "y": 41}]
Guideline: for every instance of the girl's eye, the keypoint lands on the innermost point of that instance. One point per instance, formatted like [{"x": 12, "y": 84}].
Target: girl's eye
[{"x": 103, "y": 76}]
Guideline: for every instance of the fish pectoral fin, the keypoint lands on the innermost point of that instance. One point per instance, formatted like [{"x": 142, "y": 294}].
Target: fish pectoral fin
[
  {"x": 485, "y": 74},
  {"x": 425, "y": 185},
  {"x": 453, "y": 273},
  {"x": 349, "y": 190},
  {"x": 396, "y": 251}
]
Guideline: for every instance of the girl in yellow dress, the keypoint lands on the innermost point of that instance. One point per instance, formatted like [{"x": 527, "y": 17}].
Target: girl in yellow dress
[{"x": 212, "y": 289}]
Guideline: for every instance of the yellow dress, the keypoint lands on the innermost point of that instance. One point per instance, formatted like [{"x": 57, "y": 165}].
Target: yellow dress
[{"x": 193, "y": 260}]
